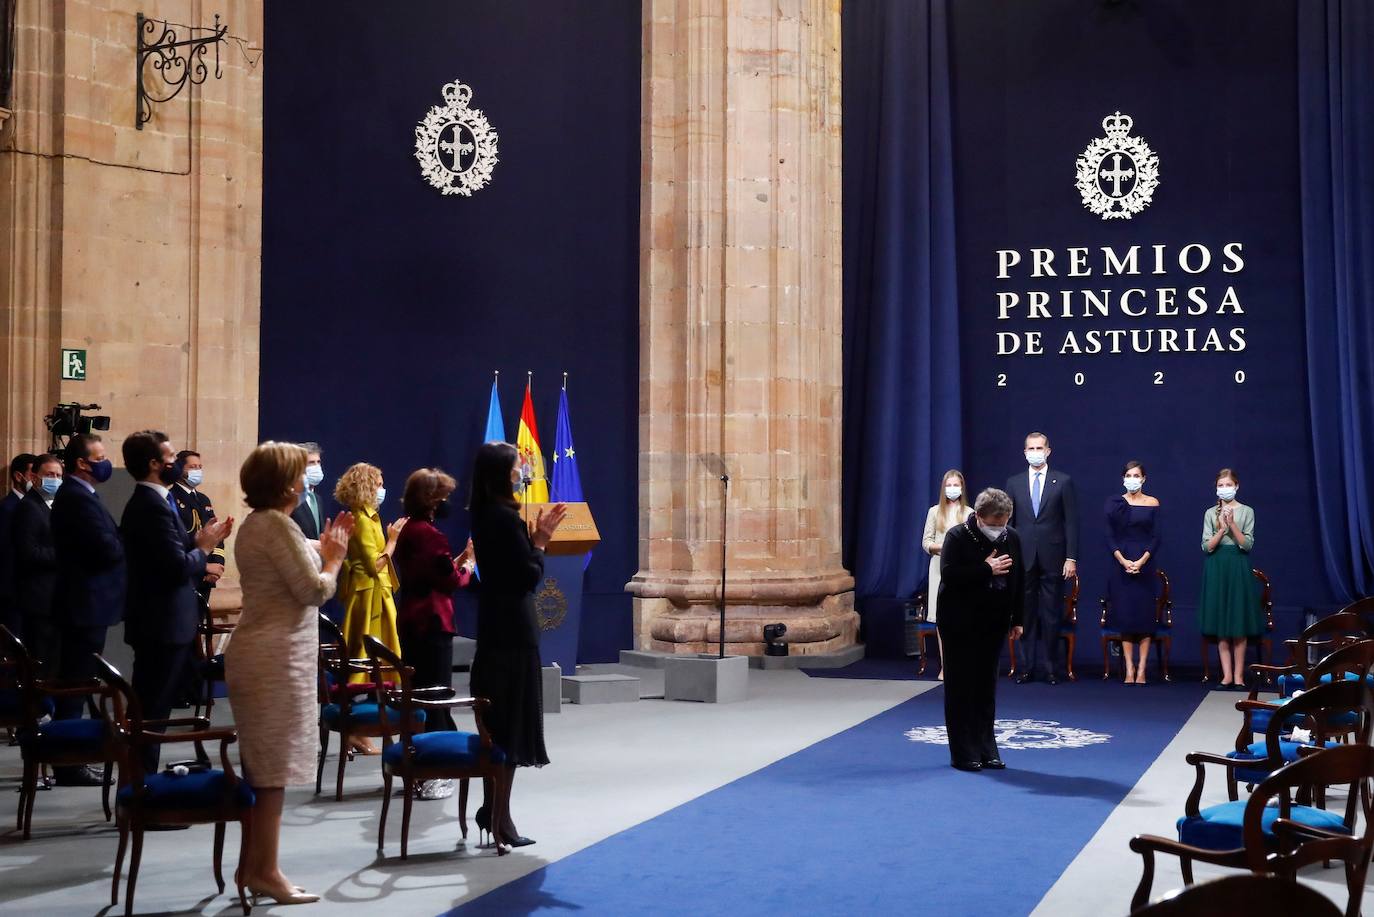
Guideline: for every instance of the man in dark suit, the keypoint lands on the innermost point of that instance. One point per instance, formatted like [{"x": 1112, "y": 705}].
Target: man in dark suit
[
  {"x": 166, "y": 564},
  {"x": 310, "y": 513},
  {"x": 35, "y": 563},
  {"x": 1046, "y": 519},
  {"x": 90, "y": 574},
  {"x": 196, "y": 510},
  {"x": 21, "y": 481}
]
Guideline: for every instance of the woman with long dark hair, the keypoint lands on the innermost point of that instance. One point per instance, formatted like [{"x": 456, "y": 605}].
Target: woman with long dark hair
[{"x": 506, "y": 667}]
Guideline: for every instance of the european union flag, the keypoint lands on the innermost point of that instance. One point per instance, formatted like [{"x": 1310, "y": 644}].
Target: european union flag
[{"x": 567, "y": 483}]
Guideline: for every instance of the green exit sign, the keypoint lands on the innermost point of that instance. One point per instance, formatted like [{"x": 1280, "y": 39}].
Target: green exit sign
[{"x": 73, "y": 365}]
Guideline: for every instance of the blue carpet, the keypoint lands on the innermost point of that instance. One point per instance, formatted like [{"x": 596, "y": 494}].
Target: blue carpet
[
  {"x": 870, "y": 822},
  {"x": 882, "y": 669}
]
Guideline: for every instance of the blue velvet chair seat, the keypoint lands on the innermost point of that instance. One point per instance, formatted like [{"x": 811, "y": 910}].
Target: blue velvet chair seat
[
  {"x": 66, "y": 738},
  {"x": 1164, "y": 632},
  {"x": 1219, "y": 827},
  {"x": 12, "y": 705},
  {"x": 196, "y": 790},
  {"x": 1259, "y": 719},
  {"x": 1256, "y": 752},
  {"x": 1111, "y": 633},
  {"x": 365, "y": 714},
  {"x": 442, "y": 749},
  {"x": 1287, "y": 684}
]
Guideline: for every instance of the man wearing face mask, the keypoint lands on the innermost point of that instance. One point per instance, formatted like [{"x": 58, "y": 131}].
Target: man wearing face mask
[
  {"x": 21, "y": 482},
  {"x": 90, "y": 574},
  {"x": 1046, "y": 518},
  {"x": 196, "y": 510},
  {"x": 310, "y": 513},
  {"x": 35, "y": 563},
  {"x": 981, "y": 583},
  {"x": 165, "y": 565}
]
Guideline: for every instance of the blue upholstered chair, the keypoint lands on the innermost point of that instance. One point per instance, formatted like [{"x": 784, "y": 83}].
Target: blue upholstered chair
[
  {"x": 1319, "y": 639},
  {"x": 193, "y": 793},
  {"x": 444, "y": 755},
  {"x": 1068, "y": 629},
  {"x": 348, "y": 708},
  {"x": 926, "y": 630},
  {"x": 26, "y": 703},
  {"x": 1278, "y": 839},
  {"x": 1163, "y": 636},
  {"x": 1351, "y": 662},
  {"x": 1262, "y": 643}
]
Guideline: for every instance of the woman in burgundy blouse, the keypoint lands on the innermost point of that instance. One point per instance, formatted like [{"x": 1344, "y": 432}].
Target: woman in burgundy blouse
[{"x": 429, "y": 574}]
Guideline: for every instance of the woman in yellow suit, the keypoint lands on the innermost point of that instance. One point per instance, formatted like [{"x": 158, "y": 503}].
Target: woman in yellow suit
[{"x": 367, "y": 580}]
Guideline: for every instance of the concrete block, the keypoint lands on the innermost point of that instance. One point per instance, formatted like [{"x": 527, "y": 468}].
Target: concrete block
[
  {"x": 553, "y": 688},
  {"x": 601, "y": 689},
  {"x": 706, "y": 678},
  {"x": 644, "y": 659}
]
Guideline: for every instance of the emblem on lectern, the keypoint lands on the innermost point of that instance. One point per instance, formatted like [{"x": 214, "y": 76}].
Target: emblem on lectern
[
  {"x": 1118, "y": 173},
  {"x": 455, "y": 144},
  {"x": 550, "y": 605}
]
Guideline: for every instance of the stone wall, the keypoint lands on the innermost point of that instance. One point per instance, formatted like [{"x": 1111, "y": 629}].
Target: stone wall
[{"x": 141, "y": 247}]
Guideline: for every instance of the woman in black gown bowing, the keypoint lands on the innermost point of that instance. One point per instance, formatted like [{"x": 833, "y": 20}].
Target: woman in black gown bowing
[
  {"x": 1133, "y": 539},
  {"x": 506, "y": 668}
]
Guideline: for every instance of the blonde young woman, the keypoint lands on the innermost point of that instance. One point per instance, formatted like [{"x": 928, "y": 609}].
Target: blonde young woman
[
  {"x": 950, "y": 510},
  {"x": 368, "y": 579}
]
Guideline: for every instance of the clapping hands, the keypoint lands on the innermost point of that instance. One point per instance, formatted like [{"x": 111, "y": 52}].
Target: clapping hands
[
  {"x": 547, "y": 523},
  {"x": 212, "y": 533},
  {"x": 334, "y": 539}
]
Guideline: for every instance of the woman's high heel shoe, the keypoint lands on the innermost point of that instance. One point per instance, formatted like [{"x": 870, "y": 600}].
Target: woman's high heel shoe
[
  {"x": 295, "y": 896},
  {"x": 483, "y": 819}
]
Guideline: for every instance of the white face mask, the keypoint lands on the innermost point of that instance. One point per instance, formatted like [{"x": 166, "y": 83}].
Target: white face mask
[
  {"x": 1035, "y": 457},
  {"x": 1226, "y": 493},
  {"x": 1132, "y": 485},
  {"x": 953, "y": 493},
  {"x": 993, "y": 532},
  {"x": 314, "y": 474},
  {"x": 381, "y": 495}
]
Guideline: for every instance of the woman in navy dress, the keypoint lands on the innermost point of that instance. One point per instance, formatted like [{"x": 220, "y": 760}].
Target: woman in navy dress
[{"x": 1133, "y": 538}]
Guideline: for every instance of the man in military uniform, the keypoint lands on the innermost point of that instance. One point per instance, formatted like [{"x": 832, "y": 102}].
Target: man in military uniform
[{"x": 196, "y": 511}]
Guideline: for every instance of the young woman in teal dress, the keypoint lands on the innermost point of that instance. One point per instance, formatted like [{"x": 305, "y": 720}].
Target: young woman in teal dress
[{"x": 1229, "y": 609}]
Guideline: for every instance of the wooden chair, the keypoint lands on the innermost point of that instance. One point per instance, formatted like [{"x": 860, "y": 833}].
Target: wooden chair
[
  {"x": 1320, "y": 638},
  {"x": 443, "y": 755},
  {"x": 1364, "y": 608},
  {"x": 43, "y": 741},
  {"x": 1263, "y": 642},
  {"x": 1278, "y": 840},
  {"x": 209, "y": 657},
  {"x": 1068, "y": 629},
  {"x": 200, "y": 796},
  {"x": 1351, "y": 662},
  {"x": 926, "y": 630},
  {"x": 348, "y": 708},
  {"x": 1251, "y": 895},
  {"x": 1163, "y": 634}
]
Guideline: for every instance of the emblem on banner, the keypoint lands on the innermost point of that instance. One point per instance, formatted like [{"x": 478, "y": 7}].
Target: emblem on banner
[
  {"x": 455, "y": 144},
  {"x": 550, "y": 605},
  {"x": 1118, "y": 173}
]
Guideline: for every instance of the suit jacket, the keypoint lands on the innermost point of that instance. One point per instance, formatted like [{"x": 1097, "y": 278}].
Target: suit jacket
[
  {"x": 90, "y": 558},
  {"x": 8, "y": 614},
  {"x": 34, "y": 556},
  {"x": 165, "y": 566},
  {"x": 196, "y": 511},
  {"x": 1051, "y": 537},
  {"x": 306, "y": 521},
  {"x": 971, "y": 599}
]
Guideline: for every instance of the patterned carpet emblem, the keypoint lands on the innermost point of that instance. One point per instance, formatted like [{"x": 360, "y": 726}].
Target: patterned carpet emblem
[{"x": 1020, "y": 734}]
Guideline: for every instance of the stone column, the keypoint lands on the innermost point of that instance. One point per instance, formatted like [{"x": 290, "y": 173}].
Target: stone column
[
  {"x": 141, "y": 247},
  {"x": 741, "y": 317}
]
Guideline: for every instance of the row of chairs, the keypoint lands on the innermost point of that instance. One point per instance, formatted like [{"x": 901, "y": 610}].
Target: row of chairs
[
  {"x": 1284, "y": 824},
  {"x": 1162, "y": 636}
]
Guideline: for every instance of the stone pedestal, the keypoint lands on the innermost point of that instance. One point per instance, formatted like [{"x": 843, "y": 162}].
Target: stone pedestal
[
  {"x": 706, "y": 678},
  {"x": 741, "y": 300},
  {"x": 552, "y": 688}
]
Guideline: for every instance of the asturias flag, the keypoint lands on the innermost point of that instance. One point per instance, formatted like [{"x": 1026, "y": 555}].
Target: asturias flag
[
  {"x": 496, "y": 425},
  {"x": 527, "y": 442}
]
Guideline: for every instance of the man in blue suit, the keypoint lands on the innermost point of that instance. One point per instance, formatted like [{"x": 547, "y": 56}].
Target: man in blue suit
[
  {"x": 90, "y": 573},
  {"x": 1046, "y": 518},
  {"x": 21, "y": 482},
  {"x": 166, "y": 564}
]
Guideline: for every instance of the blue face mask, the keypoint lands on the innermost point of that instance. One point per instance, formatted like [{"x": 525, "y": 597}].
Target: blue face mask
[
  {"x": 102, "y": 470},
  {"x": 50, "y": 485},
  {"x": 381, "y": 495},
  {"x": 314, "y": 474},
  {"x": 194, "y": 477}
]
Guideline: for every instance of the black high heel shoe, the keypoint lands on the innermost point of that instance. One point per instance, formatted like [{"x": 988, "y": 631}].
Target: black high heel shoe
[{"x": 483, "y": 819}]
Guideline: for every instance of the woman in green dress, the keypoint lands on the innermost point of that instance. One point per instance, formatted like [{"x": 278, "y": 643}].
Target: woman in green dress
[{"x": 1229, "y": 610}]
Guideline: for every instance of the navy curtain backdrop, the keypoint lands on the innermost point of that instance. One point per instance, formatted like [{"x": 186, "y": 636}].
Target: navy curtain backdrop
[
  {"x": 1214, "y": 90},
  {"x": 387, "y": 306},
  {"x": 1336, "y": 106}
]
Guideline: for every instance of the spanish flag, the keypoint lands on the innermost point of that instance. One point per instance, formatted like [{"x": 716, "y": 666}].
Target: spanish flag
[{"x": 527, "y": 442}]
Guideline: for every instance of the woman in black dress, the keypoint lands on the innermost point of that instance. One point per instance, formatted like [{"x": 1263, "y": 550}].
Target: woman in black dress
[
  {"x": 981, "y": 597},
  {"x": 506, "y": 668},
  {"x": 1133, "y": 538}
]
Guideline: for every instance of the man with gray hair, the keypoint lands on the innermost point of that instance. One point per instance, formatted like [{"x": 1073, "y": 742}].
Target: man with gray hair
[
  {"x": 309, "y": 514},
  {"x": 981, "y": 600}
]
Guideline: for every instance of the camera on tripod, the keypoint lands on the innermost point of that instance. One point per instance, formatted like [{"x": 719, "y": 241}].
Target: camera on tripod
[{"x": 67, "y": 420}]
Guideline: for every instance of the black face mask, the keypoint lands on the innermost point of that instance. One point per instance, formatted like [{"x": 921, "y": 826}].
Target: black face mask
[
  {"x": 442, "y": 509},
  {"x": 169, "y": 474}
]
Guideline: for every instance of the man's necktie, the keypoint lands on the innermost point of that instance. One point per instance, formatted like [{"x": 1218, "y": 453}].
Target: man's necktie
[
  {"x": 314, "y": 509},
  {"x": 1035, "y": 495},
  {"x": 172, "y": 502}
]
